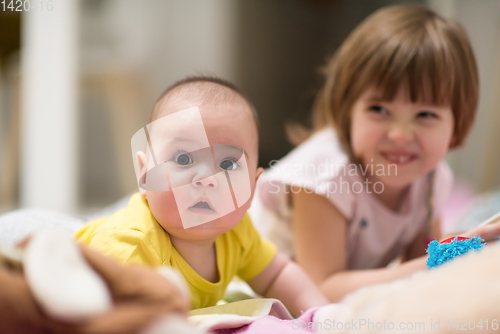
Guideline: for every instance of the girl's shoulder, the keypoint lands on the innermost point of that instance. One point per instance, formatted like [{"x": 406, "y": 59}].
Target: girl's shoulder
[
  {"x": 320, "y": 165},
  {"x": 316, "y": 155}
]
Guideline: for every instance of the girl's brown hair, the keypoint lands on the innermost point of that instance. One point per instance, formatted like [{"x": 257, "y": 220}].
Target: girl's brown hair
[{"x": 402, "y": 44}]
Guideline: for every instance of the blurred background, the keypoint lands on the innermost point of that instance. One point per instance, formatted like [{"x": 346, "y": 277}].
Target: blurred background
[{"x": 79, "y": 78}]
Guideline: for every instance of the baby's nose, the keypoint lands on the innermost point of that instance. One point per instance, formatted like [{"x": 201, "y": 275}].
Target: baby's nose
[
  {"x": 209, "y": 182},
  {"x": 203, "y": 174}
]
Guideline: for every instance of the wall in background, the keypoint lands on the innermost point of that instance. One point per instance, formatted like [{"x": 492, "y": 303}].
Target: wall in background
[
  {"x": 130, "y": 51},
  {"x": 478, "y": 162}
]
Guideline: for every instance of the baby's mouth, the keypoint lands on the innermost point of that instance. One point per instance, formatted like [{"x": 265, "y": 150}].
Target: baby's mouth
[{"x": 202, "y": 206}]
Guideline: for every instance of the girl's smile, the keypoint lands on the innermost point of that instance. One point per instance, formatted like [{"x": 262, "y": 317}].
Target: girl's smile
[
  {"x": 410, "y": 138},
  {"x": 398, "y": 157}
]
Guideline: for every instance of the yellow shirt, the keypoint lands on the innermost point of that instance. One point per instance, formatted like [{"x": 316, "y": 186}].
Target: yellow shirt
[{"x": 133, "y": 236}]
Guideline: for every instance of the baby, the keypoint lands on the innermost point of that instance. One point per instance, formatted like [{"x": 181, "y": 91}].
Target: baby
[{"x": 196, "y": 165}]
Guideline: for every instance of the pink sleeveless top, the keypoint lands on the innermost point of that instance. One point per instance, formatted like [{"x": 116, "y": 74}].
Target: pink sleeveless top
[{"x": 376, "y": 235}]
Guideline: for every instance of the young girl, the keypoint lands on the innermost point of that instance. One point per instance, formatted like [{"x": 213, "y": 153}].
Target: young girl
[{"x": 368, "y": 184}]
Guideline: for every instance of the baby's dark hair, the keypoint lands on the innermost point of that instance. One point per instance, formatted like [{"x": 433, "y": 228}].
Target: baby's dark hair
[{"x": 205, "y": 89}]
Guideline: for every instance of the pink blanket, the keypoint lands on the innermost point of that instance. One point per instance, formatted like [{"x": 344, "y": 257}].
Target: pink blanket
[{"x": 273, "y": 325}]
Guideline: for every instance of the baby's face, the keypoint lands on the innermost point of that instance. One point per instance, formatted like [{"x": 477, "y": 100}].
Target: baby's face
[{"x": 208, "y": 154}]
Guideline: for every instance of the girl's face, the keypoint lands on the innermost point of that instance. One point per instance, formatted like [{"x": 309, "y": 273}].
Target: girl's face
[{"x": 401, "y": 140}]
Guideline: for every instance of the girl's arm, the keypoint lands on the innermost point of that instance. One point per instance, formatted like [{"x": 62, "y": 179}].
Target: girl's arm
[
  {"x": 319, "y": 231},
  {"x": 286, "y": 281},
  {"x": 419, "y": 245},
  {"x": 341, "y": 283}
]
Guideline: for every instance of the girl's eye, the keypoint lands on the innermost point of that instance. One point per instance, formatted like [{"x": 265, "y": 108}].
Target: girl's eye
[
  {"x": 378, "y": 109},
  {"x": 427, "y": 114},
  {"x": 183, "y": 159},
  {"x": 228, "y": 164}
]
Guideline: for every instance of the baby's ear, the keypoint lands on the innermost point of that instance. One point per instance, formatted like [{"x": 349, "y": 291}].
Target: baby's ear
[
  {"x": 141, "y": 163},
  {"x": 259, "y": 172}
]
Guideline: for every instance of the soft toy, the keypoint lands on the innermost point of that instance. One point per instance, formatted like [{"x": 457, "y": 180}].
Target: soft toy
[
  {"x": 441, "y": 252},
  {"x": 67, "y": 288},
  {"x": 462, "y": 294}
]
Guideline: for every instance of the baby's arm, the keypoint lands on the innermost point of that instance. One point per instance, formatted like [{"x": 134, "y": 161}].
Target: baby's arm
[{"x": 286, "y": 281}]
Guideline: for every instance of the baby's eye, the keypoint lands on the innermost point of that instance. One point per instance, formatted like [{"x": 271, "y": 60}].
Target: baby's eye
[
  {"x": 378, "y": 109},
  {"x": 427, "y": 115},
  {"x": 229, "y": 164},
  {"x": 183, "y": 159}
]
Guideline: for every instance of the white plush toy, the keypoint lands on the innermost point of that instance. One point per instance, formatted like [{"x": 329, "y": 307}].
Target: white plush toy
[
  {"x": 463, "y": 294},
  {"x": 68, "y": 289}
]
